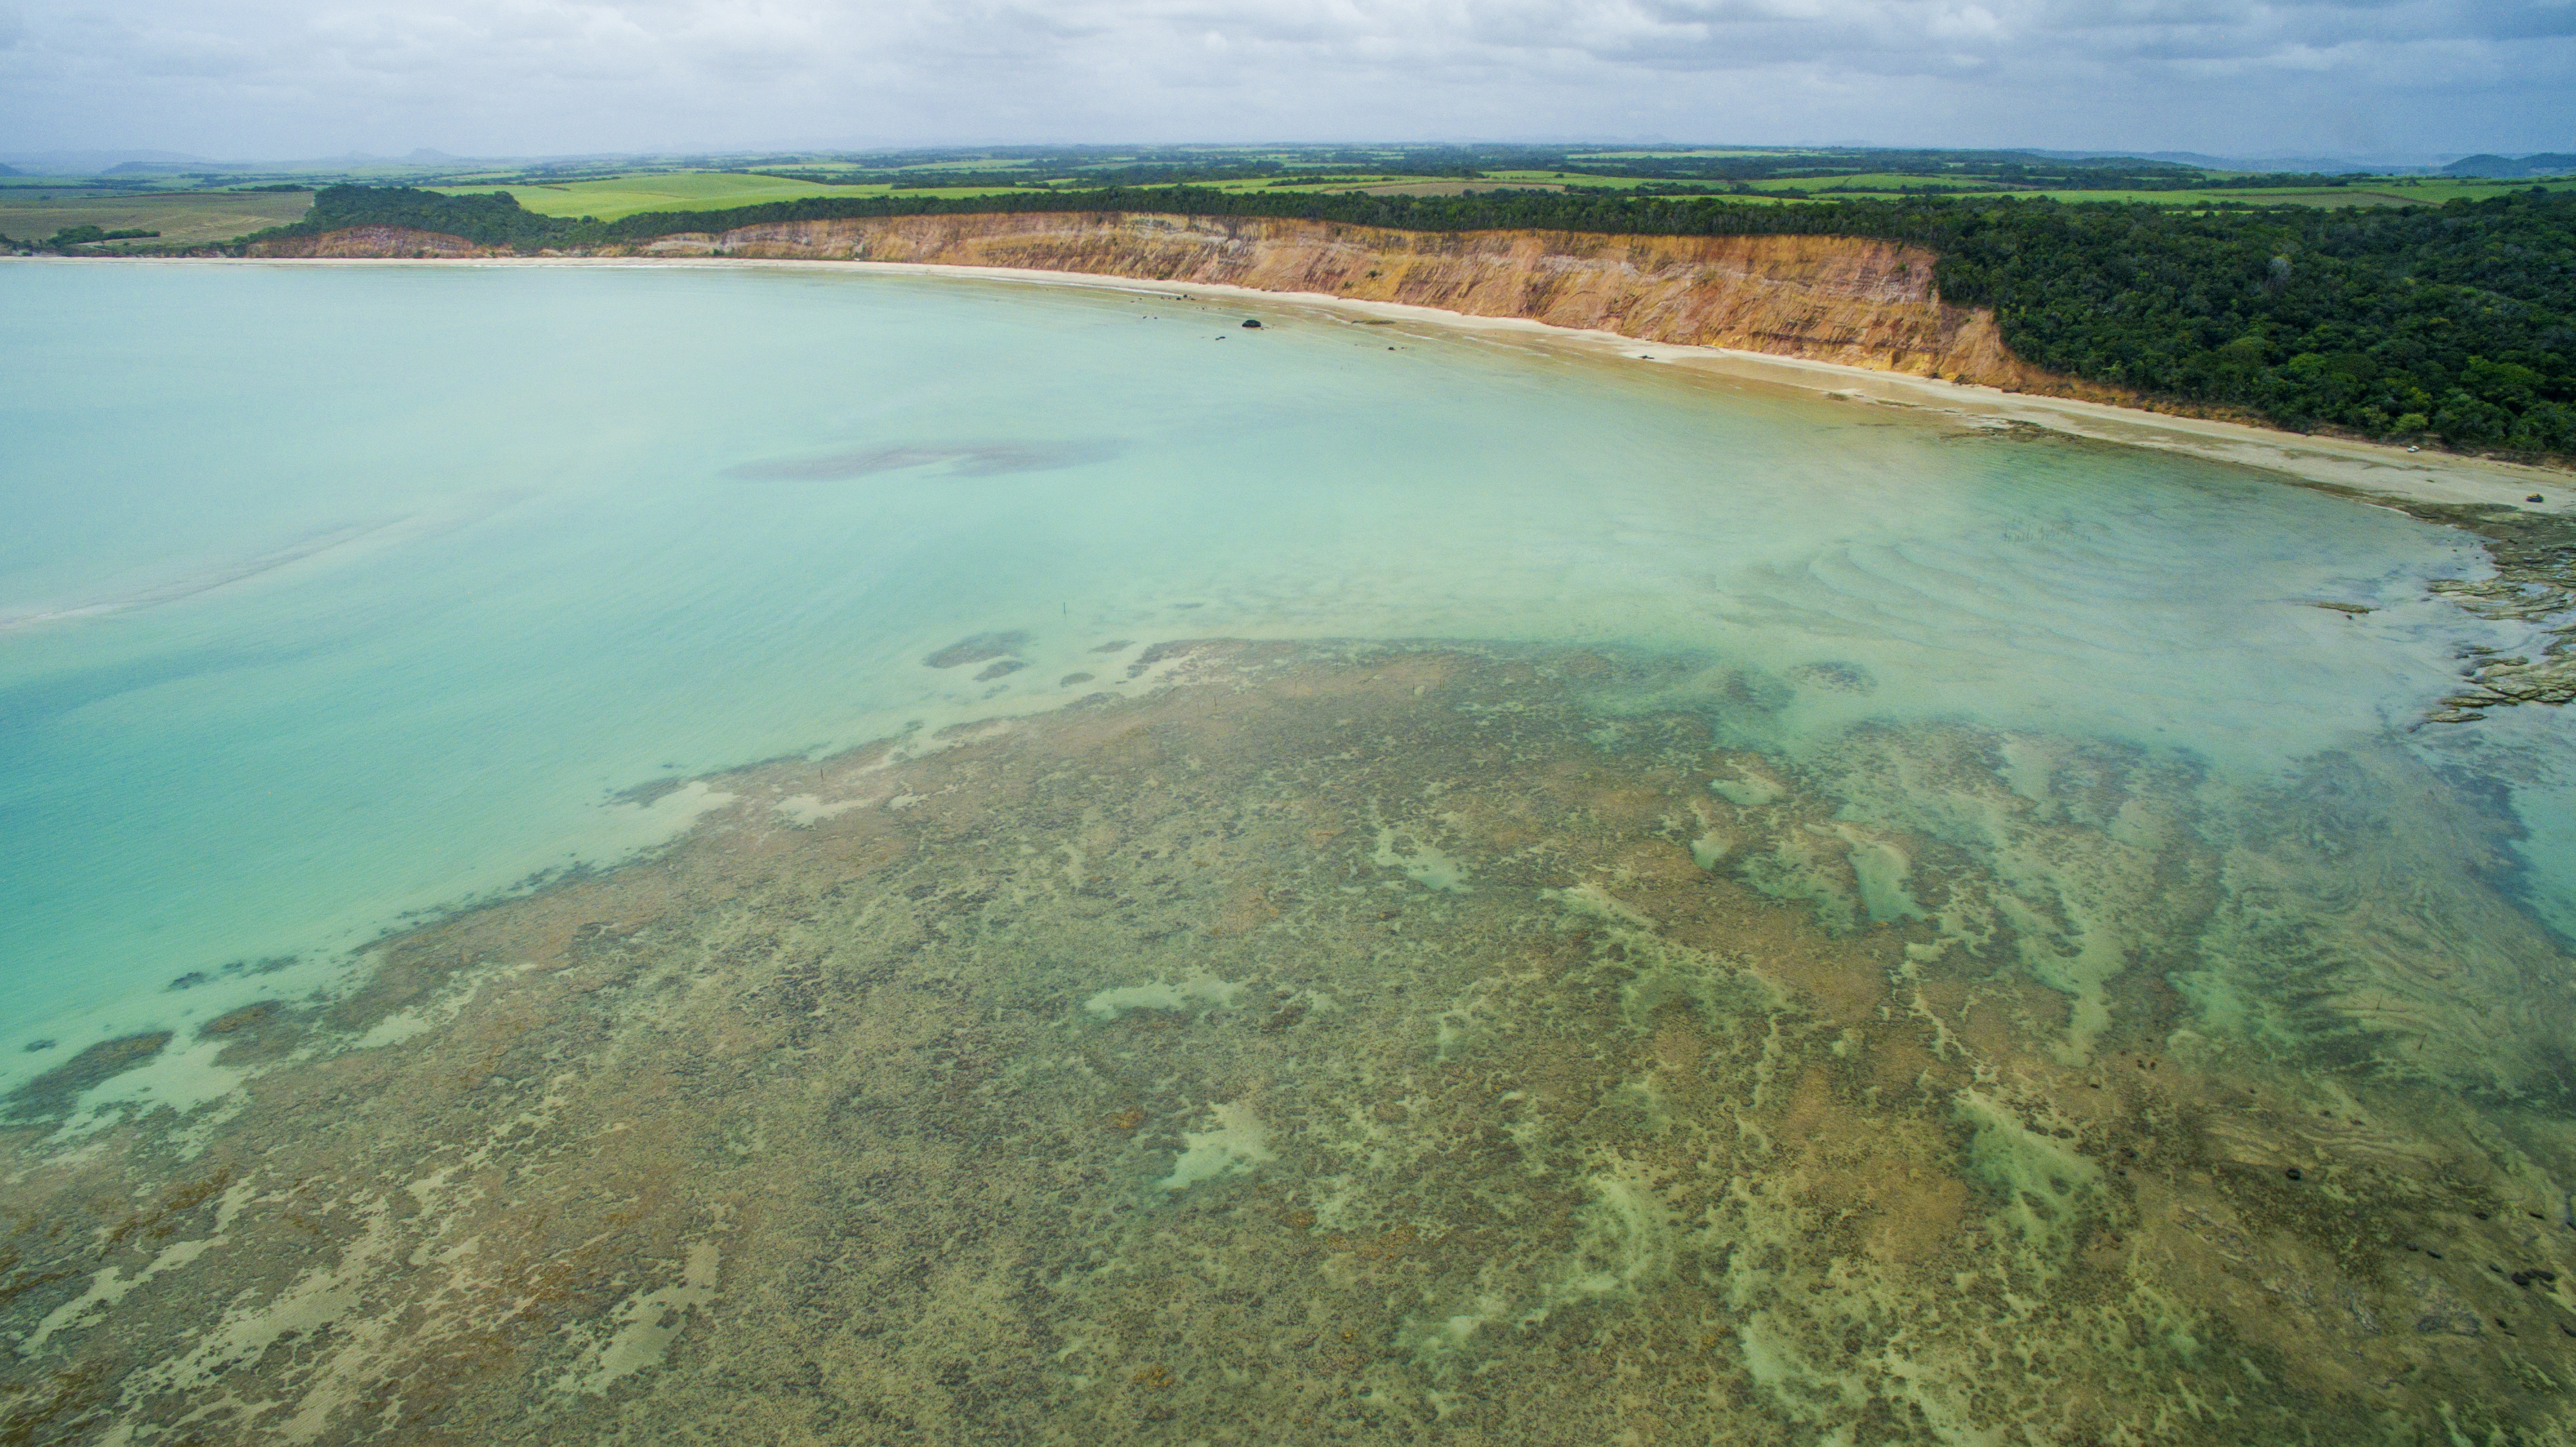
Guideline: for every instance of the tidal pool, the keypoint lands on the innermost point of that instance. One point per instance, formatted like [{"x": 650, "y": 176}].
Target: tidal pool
[{"x": 806, "y": 857}]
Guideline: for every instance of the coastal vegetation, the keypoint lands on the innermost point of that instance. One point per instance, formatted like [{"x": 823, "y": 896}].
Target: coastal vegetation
[
  {"x": 2455, "y": 322},
  {"x": 2458, "y": 322},
  {"x": 71, "y": 236}
]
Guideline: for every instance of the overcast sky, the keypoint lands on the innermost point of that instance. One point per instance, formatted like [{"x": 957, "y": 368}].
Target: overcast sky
[{"x": 267, "y": 79}]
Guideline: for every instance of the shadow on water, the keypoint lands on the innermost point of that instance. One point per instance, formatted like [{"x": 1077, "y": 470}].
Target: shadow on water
[{"x": 989, "y": 459}]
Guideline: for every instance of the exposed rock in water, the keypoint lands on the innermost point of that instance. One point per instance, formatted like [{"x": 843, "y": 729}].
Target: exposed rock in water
[
  {"x": 643, "y": 796},
  {"x": 977, "y": 649},
  {"x": 2535, "y": 582},
  {"x": 52, "y": 1093}
]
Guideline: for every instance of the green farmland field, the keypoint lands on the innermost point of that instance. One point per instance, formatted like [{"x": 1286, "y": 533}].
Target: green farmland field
[
  {"x": 201, "y": 208},
  {"x": 609, "y": 199},
  {"x": 28, "y": 213},
  {"x": 669, "y": 191},
  {"x": 2378, "y": 192}
]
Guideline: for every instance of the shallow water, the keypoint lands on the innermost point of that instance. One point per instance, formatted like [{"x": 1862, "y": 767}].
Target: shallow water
[{"x": 1697, "y": 911}]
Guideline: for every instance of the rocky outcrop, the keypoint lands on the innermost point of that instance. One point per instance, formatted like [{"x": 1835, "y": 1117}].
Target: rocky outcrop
[
  {"x": 2534, "y": 582},
  {"x": 372, "y": 241},
  {"x": 1828, "y": 298}
]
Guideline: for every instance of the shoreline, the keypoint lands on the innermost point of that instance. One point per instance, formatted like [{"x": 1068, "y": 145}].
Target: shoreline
[
  {"x": 2366, "y": 471},
  {"x": 2350, "y": 466}
]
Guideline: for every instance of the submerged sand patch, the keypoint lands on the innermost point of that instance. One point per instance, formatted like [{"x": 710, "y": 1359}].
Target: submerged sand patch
[{"x": 1385, "y": 1045}]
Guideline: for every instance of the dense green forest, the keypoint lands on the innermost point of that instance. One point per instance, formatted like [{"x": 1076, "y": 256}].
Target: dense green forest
[{"x": 2456, "y": 322}]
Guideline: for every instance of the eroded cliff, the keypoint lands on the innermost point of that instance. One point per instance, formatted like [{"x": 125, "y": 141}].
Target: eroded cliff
[
  {"x": 1836, "y": 299},
  {"x": 379, "y": 242}
]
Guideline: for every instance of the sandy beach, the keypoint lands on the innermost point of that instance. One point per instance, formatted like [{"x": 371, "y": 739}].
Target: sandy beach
[
  {"x": 2338, "y": 464},
  {"x": 2365, "y": 467}
]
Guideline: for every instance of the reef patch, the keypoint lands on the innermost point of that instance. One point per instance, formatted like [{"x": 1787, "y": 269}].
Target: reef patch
[{"x": 1380, "y": 1045}]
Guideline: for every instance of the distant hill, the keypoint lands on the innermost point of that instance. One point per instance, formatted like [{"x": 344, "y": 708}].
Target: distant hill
[
  {"x": 167, "y": 168},
  {"x": 181, "y": 163},
  {"x": 2546, "y": 163},
  {"x": 2300, "y": 165},
  {"x": 86, "y": 163}
]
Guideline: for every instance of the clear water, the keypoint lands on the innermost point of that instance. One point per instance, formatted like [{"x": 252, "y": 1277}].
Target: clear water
[
  {"x": 513, "y": 571},
  {"x": 335, "y": 597}
]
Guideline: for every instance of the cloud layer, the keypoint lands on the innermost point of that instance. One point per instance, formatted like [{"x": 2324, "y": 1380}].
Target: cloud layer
[{"x": 276, "y": 78}]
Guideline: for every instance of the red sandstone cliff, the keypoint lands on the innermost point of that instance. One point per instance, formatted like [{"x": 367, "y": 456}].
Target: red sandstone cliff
[
  {"x": 372, "y": 241},
  {"x": 1835, "y": 299}
]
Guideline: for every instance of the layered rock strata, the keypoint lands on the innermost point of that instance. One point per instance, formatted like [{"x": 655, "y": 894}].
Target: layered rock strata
[{"x": 1825, "y": 298}]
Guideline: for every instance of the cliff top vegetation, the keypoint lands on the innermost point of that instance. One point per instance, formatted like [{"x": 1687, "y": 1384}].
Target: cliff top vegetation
[{"x": 610, "y": 186}]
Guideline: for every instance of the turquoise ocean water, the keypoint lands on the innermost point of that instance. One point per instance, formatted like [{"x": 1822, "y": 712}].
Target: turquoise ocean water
[{"x": 332, "y": 595}]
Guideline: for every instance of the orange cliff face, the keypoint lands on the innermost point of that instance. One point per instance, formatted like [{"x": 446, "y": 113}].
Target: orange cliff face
[
  {"x": 1832, "y": 299},
  {"x": 377, "y": 242},
  {"x": 1825, "y": 298}
]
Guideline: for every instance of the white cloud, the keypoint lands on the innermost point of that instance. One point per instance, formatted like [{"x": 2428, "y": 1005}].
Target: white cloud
[{"x": 276, "y": 77}]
